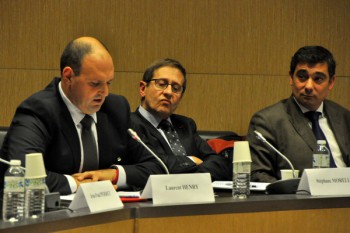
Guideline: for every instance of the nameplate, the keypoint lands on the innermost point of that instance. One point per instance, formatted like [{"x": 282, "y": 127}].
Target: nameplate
[
  {"x": 97, "y": 197},
  {"x": 179, "y": 189},
  {"x": 325, "y": 181}
]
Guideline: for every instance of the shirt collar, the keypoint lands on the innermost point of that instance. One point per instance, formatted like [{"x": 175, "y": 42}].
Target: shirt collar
[
  {"x": 75, "y": 112},
  {"x": 153, "y": 119},
  {"x": 304, "y": 110}
]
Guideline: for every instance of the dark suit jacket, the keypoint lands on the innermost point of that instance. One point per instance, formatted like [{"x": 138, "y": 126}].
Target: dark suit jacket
[
  {"x": 42, "y": 123},
  {"x": 218, "y": 167},
  {"x": 286, "y": 128}
]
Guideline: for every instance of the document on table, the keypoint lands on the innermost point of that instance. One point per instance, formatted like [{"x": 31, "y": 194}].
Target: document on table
[{"x": 254, "y": 186}]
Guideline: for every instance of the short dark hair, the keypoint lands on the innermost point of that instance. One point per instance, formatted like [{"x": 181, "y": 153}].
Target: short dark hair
[
  {"x": 149, "y": 73},
  {"x": 313, "y": 55}
]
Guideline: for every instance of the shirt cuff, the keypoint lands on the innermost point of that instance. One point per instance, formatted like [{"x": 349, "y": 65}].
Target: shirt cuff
[
  {"x": 190, "y": 157},
  {"x": 121, "y": 183},
  {"x": 72, "y": 183}
]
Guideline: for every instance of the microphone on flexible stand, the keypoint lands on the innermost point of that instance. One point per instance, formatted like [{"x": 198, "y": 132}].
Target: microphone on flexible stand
[
  {"x": 263, "y": 139},
  {"x": 289, "y": 186},
  {"x": 136, "y": 137}
]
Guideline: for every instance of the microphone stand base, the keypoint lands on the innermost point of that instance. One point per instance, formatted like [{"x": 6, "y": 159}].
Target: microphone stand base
[{"x": 289, "y": 186}]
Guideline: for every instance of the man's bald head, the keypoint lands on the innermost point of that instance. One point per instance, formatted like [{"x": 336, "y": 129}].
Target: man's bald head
[
  {"x": 87, "y": 70},
  {"x": 76, "y": 50}
]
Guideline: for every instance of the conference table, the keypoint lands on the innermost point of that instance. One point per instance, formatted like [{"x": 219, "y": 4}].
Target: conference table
[{"x": 258, "y": 213}]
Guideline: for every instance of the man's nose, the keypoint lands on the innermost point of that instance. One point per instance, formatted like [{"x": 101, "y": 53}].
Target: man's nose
[
  {"x": 168, "y": 90},
  {"x": 309, "y": 85},
  {"x": 105, "y": 89}
]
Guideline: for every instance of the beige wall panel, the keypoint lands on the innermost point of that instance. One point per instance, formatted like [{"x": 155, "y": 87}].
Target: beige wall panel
[
  {"x": 208, "y": 36},
  {"x": 216, "y": 102}
]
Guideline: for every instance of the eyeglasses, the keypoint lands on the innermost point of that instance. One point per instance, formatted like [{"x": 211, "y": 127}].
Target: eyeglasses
[{"x": 162, "y": 84}]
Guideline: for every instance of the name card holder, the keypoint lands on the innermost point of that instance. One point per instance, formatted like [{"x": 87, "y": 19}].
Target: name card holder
[
  {"x": 325, "y": 182},
  {"x": 179, "y": 189},
  {"x": 97, "y": 197}
]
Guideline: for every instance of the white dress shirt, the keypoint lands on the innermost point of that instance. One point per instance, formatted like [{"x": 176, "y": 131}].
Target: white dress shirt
[
  {"x": 77, "y": 116},
  {"x": 327, "y": 131}
]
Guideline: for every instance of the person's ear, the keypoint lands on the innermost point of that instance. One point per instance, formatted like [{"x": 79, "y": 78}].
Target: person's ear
[
  {"x": 67, "y": 74},
  {"x": 331, "y": 83},
  {"x": 290, "y": 79},
  {"x": 143, "y": 86}
]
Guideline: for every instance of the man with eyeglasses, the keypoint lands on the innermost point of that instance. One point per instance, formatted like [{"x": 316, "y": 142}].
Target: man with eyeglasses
[{"x": 173, "y": 137}]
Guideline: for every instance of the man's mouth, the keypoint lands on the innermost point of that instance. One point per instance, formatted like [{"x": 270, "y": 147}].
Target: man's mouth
[
  {"x": 164, "y": 101},
  {"x": 307, "y": 96},
  {"x": 99, "y": 101}
]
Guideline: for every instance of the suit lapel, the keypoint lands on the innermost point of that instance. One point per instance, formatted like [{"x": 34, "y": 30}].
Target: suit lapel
[
  {"x": 336, "y": 126},
  {"x": 178, "y": 126},
  {"x": 152, "y": 131},
  {"x": 300, "y": 123},
  {"x": 66, "y": 124},
  {"x": 69, "y": 131}
]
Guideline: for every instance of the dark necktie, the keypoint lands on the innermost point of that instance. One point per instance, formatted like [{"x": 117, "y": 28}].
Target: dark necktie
[
  {"x": 89, "y": 144},
  {"x": 316, "y": 129},
  {"x": 172, "y": 137}
]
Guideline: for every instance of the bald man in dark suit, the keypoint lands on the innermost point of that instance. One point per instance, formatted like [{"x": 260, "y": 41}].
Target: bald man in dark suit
[{"x": 50, "y": 122}]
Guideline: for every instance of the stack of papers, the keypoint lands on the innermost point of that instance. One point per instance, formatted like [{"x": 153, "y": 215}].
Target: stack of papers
[{"x": 130, "y": 194}]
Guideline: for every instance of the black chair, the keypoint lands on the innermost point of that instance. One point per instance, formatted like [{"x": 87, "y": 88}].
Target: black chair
[
  {"x": 221, "y": 142},
  {"x": 209, "y": 134}
]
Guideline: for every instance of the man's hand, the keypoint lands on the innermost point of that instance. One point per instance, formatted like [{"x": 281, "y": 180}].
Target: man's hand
[
  {"x": 196, "y": 160},
  {"x": 93, "y": 176}
]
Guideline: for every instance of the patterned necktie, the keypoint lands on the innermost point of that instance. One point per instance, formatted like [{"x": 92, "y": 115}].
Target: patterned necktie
[
  {"x": 89, "y": 145},
  {"x": 316, "y": 129},
  {"x": 172, "y": 137}
]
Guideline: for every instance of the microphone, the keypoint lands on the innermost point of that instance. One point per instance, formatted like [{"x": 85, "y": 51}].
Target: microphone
[
  {"x": 289, "y": 186},
  {"x": 263, "y": 139},
  {"x": 136, "y": 137}
]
